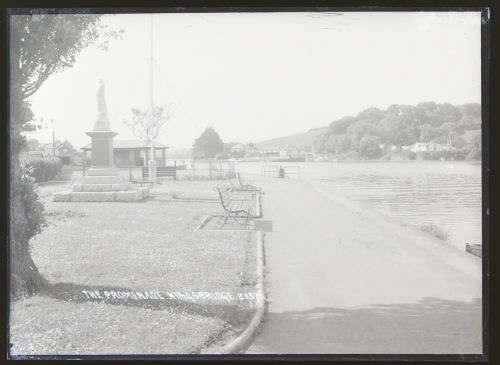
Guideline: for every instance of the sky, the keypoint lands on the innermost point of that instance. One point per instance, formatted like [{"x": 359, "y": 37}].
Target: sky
[{"x": 257, "y": 76}]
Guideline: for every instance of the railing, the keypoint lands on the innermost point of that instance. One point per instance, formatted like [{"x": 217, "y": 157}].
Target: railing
[
  {"x": 210, "y": 170},
  {"x": 274, "y": 170},
  {"x": 186, "y": 170},
  {"x": 269, "y": 170},
  {"x": 161, "y": 171}
]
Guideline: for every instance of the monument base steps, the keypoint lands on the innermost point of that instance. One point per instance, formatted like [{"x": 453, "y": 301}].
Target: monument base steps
[
  {"x": 78, "y": 187},
  {"x": 132, "y": 195},
  {"x": 102, "y": 180}
]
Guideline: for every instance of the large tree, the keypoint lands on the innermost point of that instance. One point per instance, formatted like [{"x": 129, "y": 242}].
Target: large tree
[
  {"x": 208, "y": 144},
  {"x": 41, "y": 44}
]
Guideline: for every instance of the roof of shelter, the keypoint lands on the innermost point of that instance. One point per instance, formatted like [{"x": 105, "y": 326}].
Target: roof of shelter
[{"x": 129, "y": 144}]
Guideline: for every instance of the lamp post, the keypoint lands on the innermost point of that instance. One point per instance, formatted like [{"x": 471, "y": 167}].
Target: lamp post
[{"x": 152, "y": 160}]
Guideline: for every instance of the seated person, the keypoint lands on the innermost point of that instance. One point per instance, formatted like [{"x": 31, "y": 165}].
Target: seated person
[{"x": 281, "y": 172}]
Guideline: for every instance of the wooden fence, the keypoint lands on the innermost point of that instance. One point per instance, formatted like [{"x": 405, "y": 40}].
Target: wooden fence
[{"x": 474, "y": 249}]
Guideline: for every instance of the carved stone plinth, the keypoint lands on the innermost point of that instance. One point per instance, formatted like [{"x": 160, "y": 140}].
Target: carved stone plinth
[{"x": 102, "y": 182}]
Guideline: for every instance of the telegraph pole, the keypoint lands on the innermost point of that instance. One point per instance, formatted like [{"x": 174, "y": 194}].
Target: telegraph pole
[
  {"x": 151, "y": 70},
  {"x": 152, "y": 161}
]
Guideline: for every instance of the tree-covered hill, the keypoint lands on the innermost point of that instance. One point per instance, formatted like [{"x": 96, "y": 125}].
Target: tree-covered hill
[
  {"x": 300, "y": 140},
  {"x": 373, "y": 132}
]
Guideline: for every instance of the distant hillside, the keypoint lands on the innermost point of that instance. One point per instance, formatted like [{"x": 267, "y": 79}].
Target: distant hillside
[
  {"x": 371, "y": 133},
  {"x": 300, "y": 140}
]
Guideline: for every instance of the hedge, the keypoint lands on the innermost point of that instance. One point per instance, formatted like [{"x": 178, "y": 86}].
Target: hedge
[{"x": 44, "y": 169}]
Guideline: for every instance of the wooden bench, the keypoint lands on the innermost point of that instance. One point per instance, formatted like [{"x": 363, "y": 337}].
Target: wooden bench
[
  {"x": 245, "y": 187},
  {"x": 233, "y": 207},
  {"x": 161, "y": 171},
  {"x": 237, "y": 194}
]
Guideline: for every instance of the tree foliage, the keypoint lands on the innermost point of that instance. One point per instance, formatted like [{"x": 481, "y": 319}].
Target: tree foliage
[
  {"x": 401, "y": 125},
  {"x": 368, "y": 146},
  {"x": 42, "y": 44},
  {"x": 208, "y": 144},
  {"x": 340, "y": 126},
  {"x": 475, "y": 151}
]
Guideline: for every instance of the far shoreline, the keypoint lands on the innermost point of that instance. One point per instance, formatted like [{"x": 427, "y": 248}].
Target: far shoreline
[{"x": 471, "y": 162}]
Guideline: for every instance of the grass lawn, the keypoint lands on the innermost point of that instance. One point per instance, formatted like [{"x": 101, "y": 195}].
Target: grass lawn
[
  {"x": 150, "y": 246},
  {"x": 186, "y": 189}
]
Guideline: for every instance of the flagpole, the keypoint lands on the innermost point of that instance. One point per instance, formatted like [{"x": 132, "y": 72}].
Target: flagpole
[{"x": 152, "y": 162}]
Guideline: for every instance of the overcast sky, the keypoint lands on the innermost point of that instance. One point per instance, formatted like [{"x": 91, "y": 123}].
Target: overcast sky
[{"x": 255, "y": 76}]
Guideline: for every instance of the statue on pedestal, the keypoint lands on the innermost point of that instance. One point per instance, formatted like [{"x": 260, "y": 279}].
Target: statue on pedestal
[
  {"x": 102, "y": 122},
  {"x": 102, "y": 181}
]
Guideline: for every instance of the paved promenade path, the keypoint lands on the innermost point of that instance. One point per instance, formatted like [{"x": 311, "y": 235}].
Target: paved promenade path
[{"x": 342, "y": 280}]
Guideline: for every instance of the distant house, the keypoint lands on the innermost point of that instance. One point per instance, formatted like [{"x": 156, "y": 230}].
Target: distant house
[
  {"x": 429, "y": 146},
  {"x": 35, "y": 154},
  {"x": 289, "y": 152},
  {"x": 132, "y": 153},
  {"x": 238, "y": 148},
  {"x": 271, "y": 151},
  {"x": 243, "y": 149},
  {"x": 62, "y": 149},
  {"x": 251, "y": 149}
]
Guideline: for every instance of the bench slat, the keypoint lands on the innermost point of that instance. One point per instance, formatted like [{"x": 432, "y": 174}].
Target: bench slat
[
  {"x": 161, "y": 171},
  {"x": 229, "y": 203}
]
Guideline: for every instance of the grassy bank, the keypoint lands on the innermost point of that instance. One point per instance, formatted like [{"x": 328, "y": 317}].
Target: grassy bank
[
  {"x": 435, "y": 231},
  {"x": 150, "y": 246}
]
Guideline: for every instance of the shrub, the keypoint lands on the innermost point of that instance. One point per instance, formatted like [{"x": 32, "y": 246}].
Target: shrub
[
  {"x": 66, "y": 160},
  {"x": 44, "y": 169}
]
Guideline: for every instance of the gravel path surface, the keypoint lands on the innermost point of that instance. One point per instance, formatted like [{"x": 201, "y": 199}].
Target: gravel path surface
[{"x": 342, "y": 280}]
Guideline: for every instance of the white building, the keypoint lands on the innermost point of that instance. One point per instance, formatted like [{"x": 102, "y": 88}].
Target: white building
[
  {"x": 428, "y": 146},
  {"x": 238, "y": 148}
]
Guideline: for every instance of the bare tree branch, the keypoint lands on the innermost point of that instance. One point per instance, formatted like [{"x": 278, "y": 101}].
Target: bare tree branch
[{"x": 146, "y": 128}]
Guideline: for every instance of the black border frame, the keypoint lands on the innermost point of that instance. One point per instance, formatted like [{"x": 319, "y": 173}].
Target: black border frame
[{"x": 53, "y": 7}]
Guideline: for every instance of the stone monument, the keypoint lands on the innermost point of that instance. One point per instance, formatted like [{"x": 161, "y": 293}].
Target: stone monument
[{"x": 102, "y": 181}]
